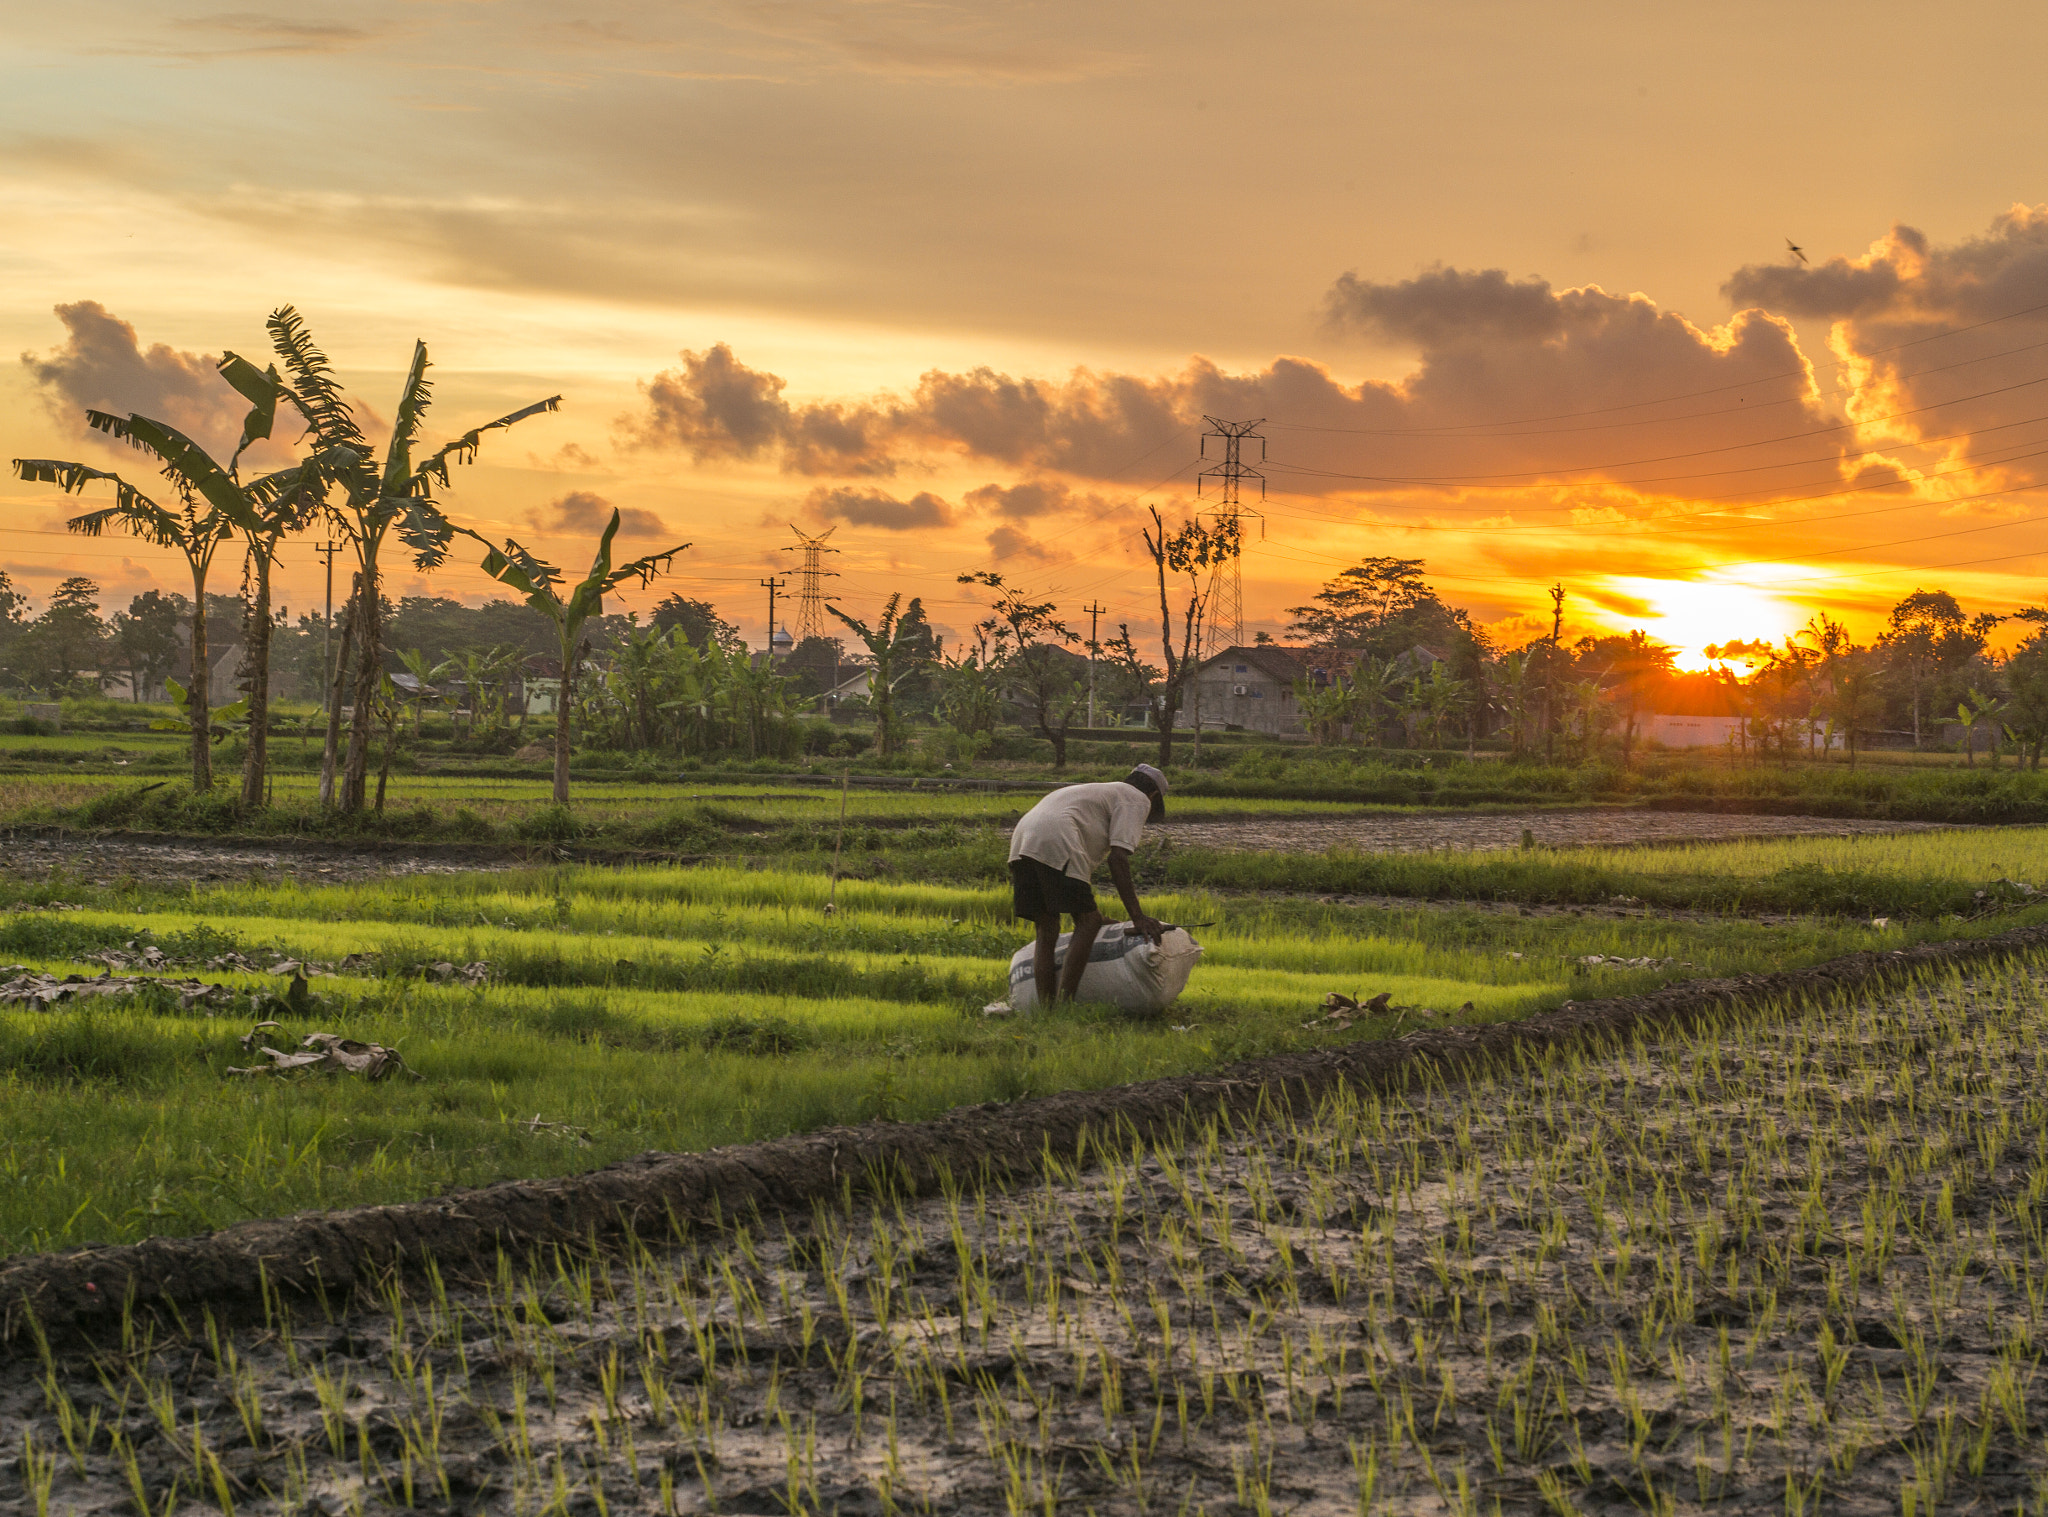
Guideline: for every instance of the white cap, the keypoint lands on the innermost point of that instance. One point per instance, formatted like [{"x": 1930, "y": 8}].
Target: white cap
[{"x": 1151, "y": 774}]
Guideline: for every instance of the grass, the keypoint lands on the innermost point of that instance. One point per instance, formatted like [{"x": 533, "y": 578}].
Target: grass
[
  {"x": 1790, "y": 1264},
  {"x": 672, "y": 1008},
  {"x": 1915, "y": 874}
]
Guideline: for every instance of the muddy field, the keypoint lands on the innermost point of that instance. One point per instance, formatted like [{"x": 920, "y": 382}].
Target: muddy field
[
  {"x": 1794, "y": 1263},
  {"x": 111, "y": 861},
  {"x": 1419, "y": 832},
  {"x": 115, "y": 860}
]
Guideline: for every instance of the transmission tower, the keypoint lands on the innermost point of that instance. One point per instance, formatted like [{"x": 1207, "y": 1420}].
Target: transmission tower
[
  {"x": 810, "y": 604},
  {"x": 1227, "y": 596}
]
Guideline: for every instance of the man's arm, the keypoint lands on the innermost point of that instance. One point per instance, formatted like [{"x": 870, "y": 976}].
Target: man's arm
[{"x": 1120, "y": 872}]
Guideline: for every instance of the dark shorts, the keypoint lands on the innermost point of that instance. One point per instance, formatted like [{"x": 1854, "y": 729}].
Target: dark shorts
[{"x": 1039, "y": 891}]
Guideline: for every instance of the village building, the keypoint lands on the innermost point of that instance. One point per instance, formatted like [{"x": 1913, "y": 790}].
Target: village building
[{"x": 1252, "y": 689}]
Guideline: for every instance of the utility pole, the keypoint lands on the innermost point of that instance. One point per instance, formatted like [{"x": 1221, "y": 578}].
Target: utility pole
[
  {"x": 810, "y": 605},
  {"x": 1230, "y": 474},
  {"x": 327, "y": 550},
  {"x": 1094, "y": 612},
  {"x": 771, "y": 584}
]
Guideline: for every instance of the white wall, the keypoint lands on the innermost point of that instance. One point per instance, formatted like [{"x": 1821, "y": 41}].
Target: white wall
[{"x": 1691, "y": 731}]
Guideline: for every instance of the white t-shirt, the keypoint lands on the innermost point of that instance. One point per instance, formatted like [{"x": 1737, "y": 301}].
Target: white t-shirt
[{"x": 1073, "y": 829}]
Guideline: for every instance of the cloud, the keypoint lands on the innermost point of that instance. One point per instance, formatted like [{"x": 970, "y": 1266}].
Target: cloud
[
  {"x": 582, "y": 513},
  {"x": 102, "y": 364},
  {"x": 569, "y": 458},
  {"x": 242, "y": 33},
  {"x": 1028, "y": 498},
  {"x": 872, "y": 508},
  {"x": 1007, "y": 542},
  {"x": 714, "y": 406},
  {"x": 1446, "y": 305},
  {"x": 1835, "y": 288},
  {"x": 1505, "y": 371},
  {"x": 964, "y": 43},
  {"x": 1942, "y": 342}
]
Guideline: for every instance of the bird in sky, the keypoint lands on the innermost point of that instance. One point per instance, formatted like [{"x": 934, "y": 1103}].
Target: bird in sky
[{"x": 1795, "y": 250}]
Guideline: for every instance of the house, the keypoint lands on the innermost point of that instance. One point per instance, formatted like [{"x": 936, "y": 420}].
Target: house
[
  {"x": 860, "y": 683},
  {"x": 1253, "y": 689}
]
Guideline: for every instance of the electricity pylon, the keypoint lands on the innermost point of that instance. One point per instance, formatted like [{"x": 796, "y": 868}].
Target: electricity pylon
[
  {"x": 1227, "y": 613},
  {"x": 810, "y": 604}
]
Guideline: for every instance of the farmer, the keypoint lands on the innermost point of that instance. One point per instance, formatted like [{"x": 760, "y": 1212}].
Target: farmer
[{"x": 1055, "y": 852}]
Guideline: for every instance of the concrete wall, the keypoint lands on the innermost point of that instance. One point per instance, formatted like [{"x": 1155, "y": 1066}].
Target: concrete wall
[
  {"x": 1268, "y": 704},
  {"x": 1691, "y": 731}
]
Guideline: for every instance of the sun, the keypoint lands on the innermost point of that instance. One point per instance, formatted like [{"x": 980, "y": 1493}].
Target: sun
[{"x": 1692, "y": 614}]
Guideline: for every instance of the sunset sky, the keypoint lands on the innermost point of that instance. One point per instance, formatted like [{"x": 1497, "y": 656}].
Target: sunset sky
[{"x": 1509, "y": 284}]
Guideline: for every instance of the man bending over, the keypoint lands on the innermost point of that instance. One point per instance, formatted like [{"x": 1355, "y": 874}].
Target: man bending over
[{"x": 1054, "y": 853}]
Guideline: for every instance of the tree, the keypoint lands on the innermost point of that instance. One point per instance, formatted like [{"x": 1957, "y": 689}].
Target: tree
[
  {"x": 1856, "y": 703},
  {"x": 1190, "y": 551},
  {"x": 374, "y": 501},
  {"x": 896, "y": 650},
  {"x": 1380, "y": 605},
  {"x": 1974, "y": 710},
  {"x": 1034, "y": 664},
  {"x": 917, "y": 690},
  {"x": 814, "y": 664},
  {"x": 1441, "y": 695},
  {"x": 146, "y": 640},
  {"x": 13, "y": 612},
  {"x": 541, "y": 583},
  {"x": 1327, "y": 706},
  {"x": 288, "y": 512},
  {"x": 699, "y": 621},
  {"x": 68, "y": 638},
  {"x": 970, "y": 695},
  {"x": 2026, "y": 674},
  {"x": 1631, "y": 667},
  {"x": 213, "y": 505}
]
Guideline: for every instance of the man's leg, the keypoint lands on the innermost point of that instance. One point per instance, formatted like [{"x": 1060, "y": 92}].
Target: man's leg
[
  {"x": 1044, "y": 972},
  {"x": 1086, "y": 926}
]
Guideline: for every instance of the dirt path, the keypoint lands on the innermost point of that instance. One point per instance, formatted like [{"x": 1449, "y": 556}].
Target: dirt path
[
  {"x": 1696, "y": 1275},
  {"x": 1419, "y": 832}
]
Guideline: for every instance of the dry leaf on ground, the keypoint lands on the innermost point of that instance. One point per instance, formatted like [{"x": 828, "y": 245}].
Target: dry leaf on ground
[{"x": 328, "y": 1051}]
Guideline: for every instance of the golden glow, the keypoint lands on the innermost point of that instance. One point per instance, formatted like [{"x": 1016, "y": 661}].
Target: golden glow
[{"x": 1689, "y": 615}]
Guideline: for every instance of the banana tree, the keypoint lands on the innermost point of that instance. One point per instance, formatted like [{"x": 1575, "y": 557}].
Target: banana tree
[
  {"x": 890, "y": 647},
  {"x": 276, "y": 515},
  {"x": 375, "y": 501},
  {"x": 540, "y": 583},
  {"x": 212, "y": 506}
]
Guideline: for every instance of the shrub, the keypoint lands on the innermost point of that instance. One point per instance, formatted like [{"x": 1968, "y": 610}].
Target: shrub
[{"x": 550, "y": 824}]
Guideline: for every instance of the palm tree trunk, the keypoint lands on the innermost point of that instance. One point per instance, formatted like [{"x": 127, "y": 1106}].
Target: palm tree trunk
[
  {"x": 565, "y": 700},
  {"x": 256, "y": 668},
  {"x": 337, "y": 679},
  {"x": 198, "y": 707},
  {"x": 369, "y": 669}
]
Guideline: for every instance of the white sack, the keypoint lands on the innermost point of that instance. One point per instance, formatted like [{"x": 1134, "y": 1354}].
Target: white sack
[{"x": 1124, "y": 968}]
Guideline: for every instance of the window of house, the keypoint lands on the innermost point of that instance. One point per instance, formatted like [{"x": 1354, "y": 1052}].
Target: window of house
[{"x": 1244, "y": 669}]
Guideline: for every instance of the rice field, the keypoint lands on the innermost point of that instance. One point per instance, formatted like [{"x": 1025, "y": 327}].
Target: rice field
[
  {"x": 1793, "y": 1264},
  {"x": 734, "y": 801},
  {"x": 674, "y": 1009}
]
